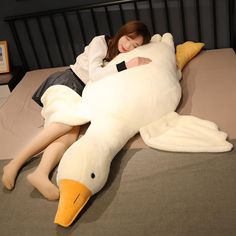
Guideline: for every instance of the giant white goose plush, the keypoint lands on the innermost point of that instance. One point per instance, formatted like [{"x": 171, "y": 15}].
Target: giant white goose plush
[{"x": 142, "y": 99}]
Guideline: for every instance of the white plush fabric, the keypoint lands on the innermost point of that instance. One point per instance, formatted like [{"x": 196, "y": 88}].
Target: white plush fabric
[
  {"x": 62, "y": 104},
  {"x": 120, "y": 105},
  {"x": 173, "y": 132},
  {"x": 140, "y": 90},
  {"x": 141, "y": 98}
]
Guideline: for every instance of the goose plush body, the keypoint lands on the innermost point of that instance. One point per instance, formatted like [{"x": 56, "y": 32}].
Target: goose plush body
[{"x": 141, "y": 99}]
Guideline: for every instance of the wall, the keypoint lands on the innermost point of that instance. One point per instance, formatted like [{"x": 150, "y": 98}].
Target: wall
[{"x": 18, "y": 7}]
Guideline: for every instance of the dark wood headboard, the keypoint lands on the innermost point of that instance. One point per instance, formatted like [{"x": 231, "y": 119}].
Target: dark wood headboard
[{"x": 54, "y": 38}]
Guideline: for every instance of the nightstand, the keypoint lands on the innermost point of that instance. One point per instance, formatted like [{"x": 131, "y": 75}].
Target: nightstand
[
  {"x": 8, "y": 82},
  {"x": 12, "y": 78}
]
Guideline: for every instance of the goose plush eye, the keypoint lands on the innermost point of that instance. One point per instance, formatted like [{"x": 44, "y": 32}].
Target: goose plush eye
[{"x": 92, "y": 175}]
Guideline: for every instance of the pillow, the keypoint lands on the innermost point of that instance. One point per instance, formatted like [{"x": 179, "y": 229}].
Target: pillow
[{"x": 186, "y": 51}]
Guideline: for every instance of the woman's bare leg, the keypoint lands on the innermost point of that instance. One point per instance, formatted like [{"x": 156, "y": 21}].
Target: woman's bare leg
[
  {"x": 37, "y": 144},
  {"x": 51, "y": 157}
]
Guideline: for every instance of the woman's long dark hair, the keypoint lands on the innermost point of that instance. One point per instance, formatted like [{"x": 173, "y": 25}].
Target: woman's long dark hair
[{"x": 132, "y": 29}]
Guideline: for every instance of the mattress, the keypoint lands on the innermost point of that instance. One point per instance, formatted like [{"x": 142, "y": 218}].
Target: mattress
[
  {"x": 208, "y": 86},
  {"x": 208, "y": 92}
]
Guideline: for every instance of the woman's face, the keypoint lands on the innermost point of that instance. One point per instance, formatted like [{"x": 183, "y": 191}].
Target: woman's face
[{"x": 127, "y": 43}]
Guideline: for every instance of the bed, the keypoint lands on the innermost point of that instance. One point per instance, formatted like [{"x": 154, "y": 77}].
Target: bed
[{"x": 149, "y": 192}]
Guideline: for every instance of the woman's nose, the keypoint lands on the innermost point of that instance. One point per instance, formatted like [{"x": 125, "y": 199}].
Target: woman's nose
[{"x": 129, "y": 45}]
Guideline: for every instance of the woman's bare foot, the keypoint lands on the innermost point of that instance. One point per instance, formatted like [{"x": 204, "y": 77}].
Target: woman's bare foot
[
  {"x": 41, "y": 182},
  {"x": 10, "y": 172}
]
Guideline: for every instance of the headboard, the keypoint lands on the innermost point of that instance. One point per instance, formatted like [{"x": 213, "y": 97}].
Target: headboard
[{"x": 54, "y": 38}]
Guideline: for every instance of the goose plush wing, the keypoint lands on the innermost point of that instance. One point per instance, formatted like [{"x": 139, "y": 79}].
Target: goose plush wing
[
  {"x": 174, "y": 132},
  {"x": 62, "y": 104}
]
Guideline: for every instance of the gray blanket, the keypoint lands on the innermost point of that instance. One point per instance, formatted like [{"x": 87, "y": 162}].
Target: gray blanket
[{"x": 149, "y": 192}]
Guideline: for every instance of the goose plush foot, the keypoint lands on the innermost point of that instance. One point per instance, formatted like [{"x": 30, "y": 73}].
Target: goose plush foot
[
  {"x": 9, "y": 175},
  {"x": 41, "y": 182}
]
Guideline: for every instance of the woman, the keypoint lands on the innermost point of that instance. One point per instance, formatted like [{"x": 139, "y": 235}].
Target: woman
[{"x": 57, "y": 137}]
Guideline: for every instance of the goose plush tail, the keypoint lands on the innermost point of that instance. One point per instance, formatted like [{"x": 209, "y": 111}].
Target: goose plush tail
[{"x": 174, "y": 132}]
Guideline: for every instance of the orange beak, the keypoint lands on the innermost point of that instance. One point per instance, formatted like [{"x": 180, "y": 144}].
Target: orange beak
[{"x": 73, "y": 197}]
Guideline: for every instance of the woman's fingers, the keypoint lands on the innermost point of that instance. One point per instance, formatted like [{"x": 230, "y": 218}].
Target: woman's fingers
[
  {"x": 144, "y": 60},
  {"x": 138, "y": 61}
]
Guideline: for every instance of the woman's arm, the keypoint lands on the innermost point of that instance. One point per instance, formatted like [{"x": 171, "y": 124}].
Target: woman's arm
[{"x": 97, "y": 51}]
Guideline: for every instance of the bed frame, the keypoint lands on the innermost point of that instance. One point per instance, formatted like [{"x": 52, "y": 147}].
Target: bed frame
[{"x": 54, "y": 38}]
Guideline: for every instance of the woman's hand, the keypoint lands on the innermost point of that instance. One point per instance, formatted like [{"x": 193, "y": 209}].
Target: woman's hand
[{"x": 137, "y": 61}]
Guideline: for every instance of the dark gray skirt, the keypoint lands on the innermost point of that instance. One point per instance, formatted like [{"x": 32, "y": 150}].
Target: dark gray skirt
[{"x": 67, "y": 77}]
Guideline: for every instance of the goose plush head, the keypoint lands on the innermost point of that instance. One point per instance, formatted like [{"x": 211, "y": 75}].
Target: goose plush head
[
  {"x": 85, "y": 166},
  {"x": 85, "y": 175}
]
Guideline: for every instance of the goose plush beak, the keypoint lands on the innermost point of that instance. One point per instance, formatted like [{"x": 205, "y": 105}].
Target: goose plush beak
[{"x": 73, "y": 196}]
